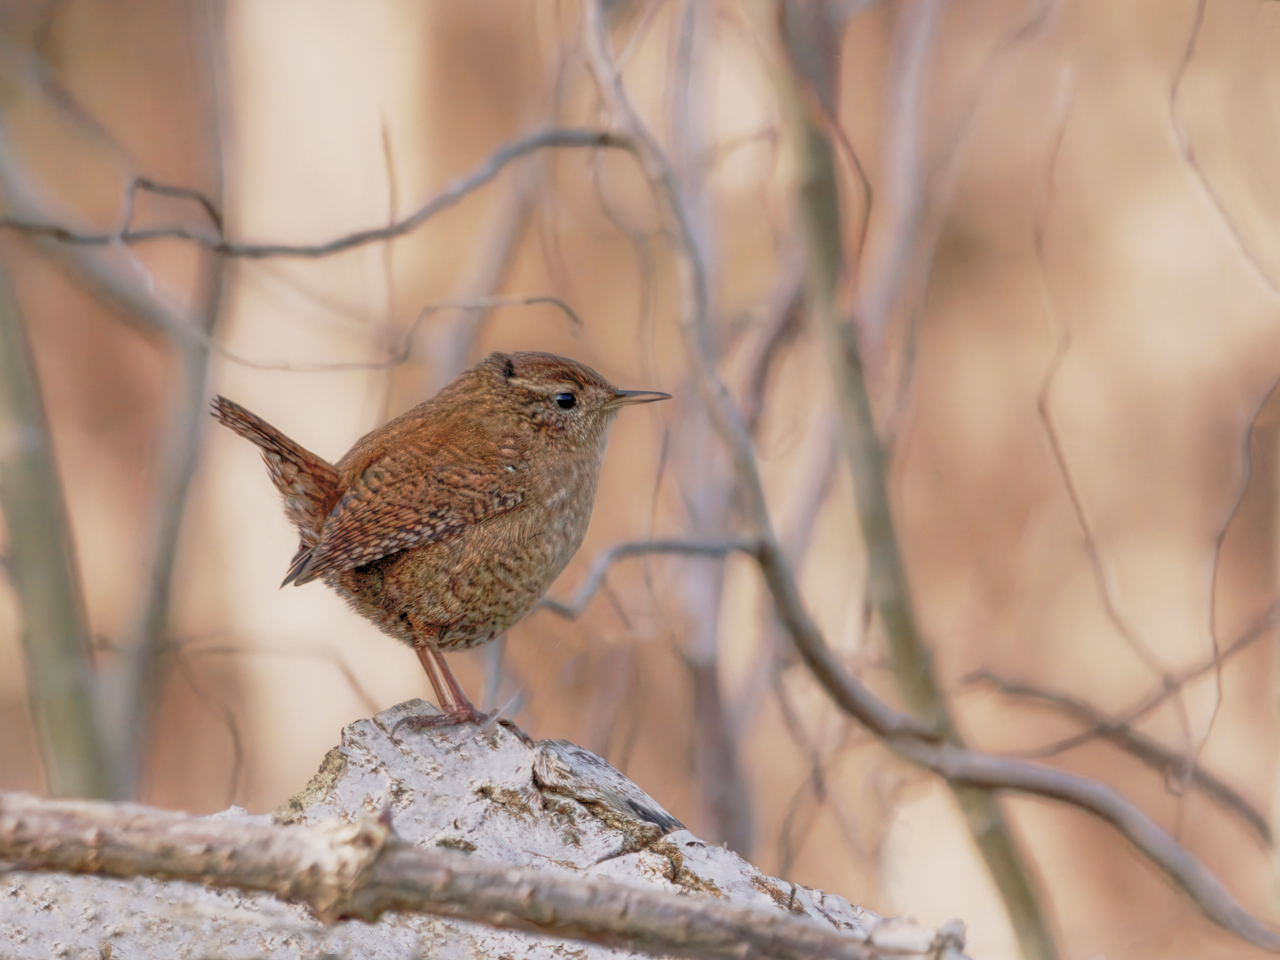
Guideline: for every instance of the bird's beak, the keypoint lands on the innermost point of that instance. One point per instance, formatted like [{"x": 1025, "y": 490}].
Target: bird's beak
[{"x": 623, "y": 397}]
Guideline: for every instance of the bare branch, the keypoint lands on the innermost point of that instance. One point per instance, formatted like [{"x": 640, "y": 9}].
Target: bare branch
[
  {"x": 361, "y": 870},
  {"x": 574, "y": 608},
  {"x": 762, "y": 345},
  {"x": 888, "y": 586},
  {"x": 452, "y": 339},
  {"x": 137, "y": 685},
  {"x": 113, "y": 274},
  {"x": 147, "y": 185},
  {"x": 905, "y": 193},
  {"x": 402, "y": 352},
  {"x": 45, "y": 574},
  {"x": 1214, "y": 198},
  {"x": 367, "y": 702},
  {"x": 1175, "y": 767},
  {"x": 905, "y": 735},
  {"x": 452, "y": 194},
  {"x": 1171, "y": 686},
  {"x": 971, "y": 768}
]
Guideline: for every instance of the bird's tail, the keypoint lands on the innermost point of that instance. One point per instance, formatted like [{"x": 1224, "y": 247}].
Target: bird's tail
[{"x": 308, "y": 484}]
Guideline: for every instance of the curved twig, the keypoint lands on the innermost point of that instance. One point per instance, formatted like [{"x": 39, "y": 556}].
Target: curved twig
[
  {"x": 450, "y": 195},
  {"x": 1173, "y": 765},
  {"x": 574, "y": 608}
]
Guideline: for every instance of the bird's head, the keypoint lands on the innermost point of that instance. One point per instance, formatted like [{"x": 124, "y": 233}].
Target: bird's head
[{"x": 565, "y": 401}]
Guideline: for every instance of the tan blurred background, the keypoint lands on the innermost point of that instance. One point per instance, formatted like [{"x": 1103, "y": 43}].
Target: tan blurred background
[{"x": 1082, "y": 330}]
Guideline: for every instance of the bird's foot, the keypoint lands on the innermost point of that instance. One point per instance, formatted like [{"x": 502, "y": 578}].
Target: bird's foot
[{"x": 452, "y": 716}]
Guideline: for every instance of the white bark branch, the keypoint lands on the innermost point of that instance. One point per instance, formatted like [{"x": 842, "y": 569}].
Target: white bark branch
[{"x": 485, "y": 827}]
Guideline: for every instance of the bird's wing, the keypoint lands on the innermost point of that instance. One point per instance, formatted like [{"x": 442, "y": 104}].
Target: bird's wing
[{"x": 395, "y": 504}]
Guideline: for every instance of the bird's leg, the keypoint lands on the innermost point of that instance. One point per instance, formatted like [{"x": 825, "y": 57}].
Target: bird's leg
[{"x": 454, "y": 705}]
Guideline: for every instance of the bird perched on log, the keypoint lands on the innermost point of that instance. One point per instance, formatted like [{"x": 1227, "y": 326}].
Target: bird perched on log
[{"x": 446, "y": 525}]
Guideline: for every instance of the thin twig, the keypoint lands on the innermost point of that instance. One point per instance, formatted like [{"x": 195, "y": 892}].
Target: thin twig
[
  {"x": 367, "y": 702},
  {"x": 451, "y": 195},
  {"x": 816, "y": 781},
  {"x": 210, "y": 205},
  {"x": 1175, "y": 767},
  {"x": 1214, "y": 198},
  {"x": 1262, "y": 626},
  {"x": 401, "y": 353},
  {"x": 574, "y": 608},
  {"x": 452, "y": 339},
  {"x": 227, "y": 716}
]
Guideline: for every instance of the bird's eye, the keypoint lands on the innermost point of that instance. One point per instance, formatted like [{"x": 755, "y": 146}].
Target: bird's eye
[{"x": 567, "y": 401}]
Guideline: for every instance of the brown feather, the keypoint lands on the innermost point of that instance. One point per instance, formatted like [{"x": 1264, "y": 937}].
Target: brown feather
[{"x": 308, "y": 484}]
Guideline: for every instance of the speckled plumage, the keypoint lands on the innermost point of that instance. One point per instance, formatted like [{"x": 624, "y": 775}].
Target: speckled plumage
[{"x": 447, "y": 524}]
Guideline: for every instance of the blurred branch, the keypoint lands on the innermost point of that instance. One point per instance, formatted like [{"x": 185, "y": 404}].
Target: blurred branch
[
  {"x": 113, "y": 274},
  {"x": 695, "y": 287},
  {"x": 44, "y": 572},
  {"x": 367, "y": 702},
  {"x": 813, "y": 479},
  {"x": 452, "y": 339},
  {"x": 1172, "y": 765},
  {"x": 1104, "y": 583},
  {"x": 905, "y": 192},
  {"x": 690, "y": 119},
  {"x": 816, "y": 781},
  {"x": 223, "y": 713},
  {"x": 117, "y": 277},
  {"x": 513, "y": 150},
  {"x": 361, "y": 870},
  {"x": 905, "y": 735},
  {"x": 138, "y": 683},
  {"x": 1215, "y": 200},
  {"x": 888, "y": 587},
  {"x": 1173, "y": 685},
  {"x": 574, "y": 608},
  {"x": 963, "y": 767},
  {"x": 762, "y": 344}
]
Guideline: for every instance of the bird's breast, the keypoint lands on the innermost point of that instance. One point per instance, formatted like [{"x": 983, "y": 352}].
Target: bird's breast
[{"x": 565, "y": 496}]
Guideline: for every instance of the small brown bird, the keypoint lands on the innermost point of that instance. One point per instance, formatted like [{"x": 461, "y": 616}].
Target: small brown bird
[{"x": 447, "y": 524}]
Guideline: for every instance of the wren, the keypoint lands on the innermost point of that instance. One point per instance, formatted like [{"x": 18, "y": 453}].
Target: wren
[{"x": 446, "y": 525}]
